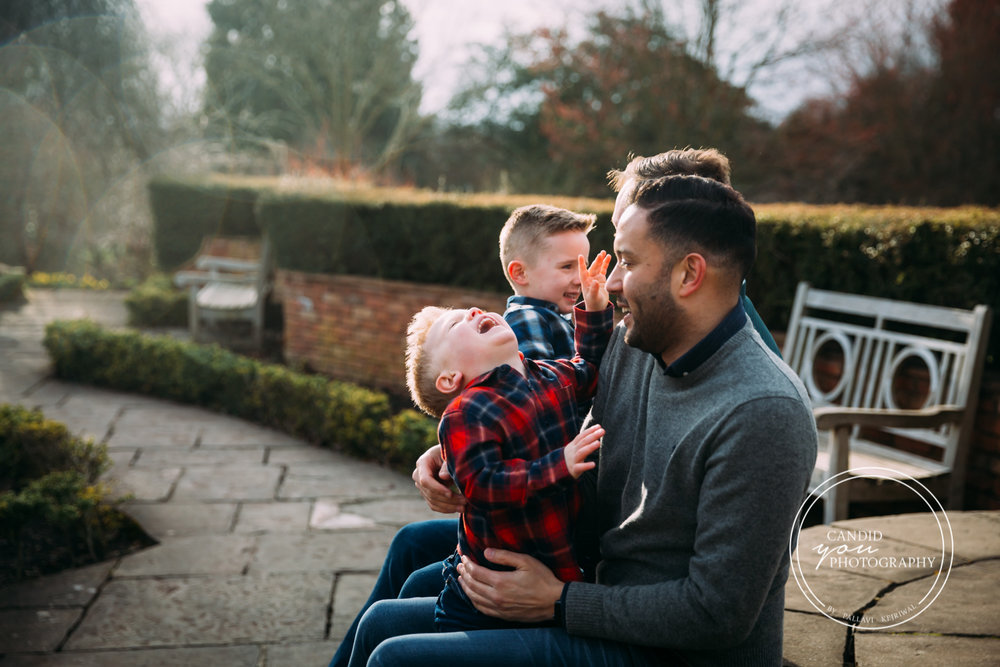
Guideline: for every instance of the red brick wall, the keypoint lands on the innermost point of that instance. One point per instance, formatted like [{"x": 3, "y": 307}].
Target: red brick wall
[{"x": 352, "y": 329}]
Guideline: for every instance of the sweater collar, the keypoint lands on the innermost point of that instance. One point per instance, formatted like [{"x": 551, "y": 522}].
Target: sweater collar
[{"x": 707, "y": 346}]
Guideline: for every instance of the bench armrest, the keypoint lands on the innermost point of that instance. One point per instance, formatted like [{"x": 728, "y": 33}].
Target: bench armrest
[
  {"x": 209, "y": 262},
  {"x": 199, "y": 278},
  {"x": 828, "y": 418}
]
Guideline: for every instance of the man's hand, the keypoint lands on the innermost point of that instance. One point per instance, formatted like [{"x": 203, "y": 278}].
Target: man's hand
[
  {"x": 528, "y": 594},
  {"x": 579, "y": 448},
  {"x": 432, "y": 479},
  {"x": 593, "y": 280}
]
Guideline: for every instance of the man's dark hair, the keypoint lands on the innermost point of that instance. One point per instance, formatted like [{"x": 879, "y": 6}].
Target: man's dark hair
[
  {"x": 691, "y": 213},
  {"x": 707, "y": 162}
]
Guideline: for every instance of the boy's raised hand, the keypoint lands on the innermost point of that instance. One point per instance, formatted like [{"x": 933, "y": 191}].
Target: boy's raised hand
[
  {"x": 593, "y": 281},
  {"x": 580, "y": 447}
]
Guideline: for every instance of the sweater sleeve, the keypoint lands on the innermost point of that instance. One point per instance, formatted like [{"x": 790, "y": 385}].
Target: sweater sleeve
[{"x": 755, "y": 471}]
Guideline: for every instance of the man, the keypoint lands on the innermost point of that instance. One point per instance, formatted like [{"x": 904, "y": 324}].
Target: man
[{"x": 710, "y": 444}]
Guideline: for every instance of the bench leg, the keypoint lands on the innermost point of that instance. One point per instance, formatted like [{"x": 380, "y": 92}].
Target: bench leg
[{"x": 836, "y": 503}]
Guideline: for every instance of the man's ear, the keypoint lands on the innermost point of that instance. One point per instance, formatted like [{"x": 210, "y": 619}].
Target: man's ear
[
  {"x": 448, "y": 382},
  {"x": 691, "y": 272},
  {"x": 517, "y": 273}
]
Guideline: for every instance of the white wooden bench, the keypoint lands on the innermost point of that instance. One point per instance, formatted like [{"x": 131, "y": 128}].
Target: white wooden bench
[
  {"x": 876, "y": 344},
  {"x": 230, "y": 281}
]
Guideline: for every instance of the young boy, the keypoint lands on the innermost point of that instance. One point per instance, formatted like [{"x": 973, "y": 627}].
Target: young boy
[
  {"x": 539, "y": 246},
  {"x": 505, "y": 424}
]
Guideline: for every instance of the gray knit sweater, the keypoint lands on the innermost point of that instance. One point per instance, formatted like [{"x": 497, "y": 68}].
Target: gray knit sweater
[{"x": 699, "y": 480}]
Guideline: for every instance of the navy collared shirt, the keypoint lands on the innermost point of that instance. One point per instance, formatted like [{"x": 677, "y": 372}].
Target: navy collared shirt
[{"x": 709, "y": 345}]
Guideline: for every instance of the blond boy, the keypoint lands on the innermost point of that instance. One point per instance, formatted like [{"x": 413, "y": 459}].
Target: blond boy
[
  {"x": 539, "y": 246},
  {"x": 505, "y": 424}
]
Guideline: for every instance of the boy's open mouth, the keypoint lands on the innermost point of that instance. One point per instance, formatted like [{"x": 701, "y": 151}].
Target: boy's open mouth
[{"x": 486, "y": 324}]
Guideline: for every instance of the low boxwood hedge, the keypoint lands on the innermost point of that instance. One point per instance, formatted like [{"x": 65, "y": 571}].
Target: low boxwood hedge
[
  {"x": 334, "y": 414},
  {"x": 157, "y": 303},
  {"x": 53, "y": 511}
]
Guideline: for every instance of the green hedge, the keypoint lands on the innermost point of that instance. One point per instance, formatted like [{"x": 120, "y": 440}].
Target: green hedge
[
  {"x": 334, "y": 414},
  {"x": 945, "y": 257},
  {"x": 50, "y": 499},
  {"x": 187, "y": 210},
  {"x": 157, "y": 303},
  {"x": 938, "y": 256},
  {"x": 11, "y": 284}
]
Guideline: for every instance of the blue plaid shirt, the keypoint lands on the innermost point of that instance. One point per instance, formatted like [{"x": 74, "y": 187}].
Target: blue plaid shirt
[{"x": 542, "y": 333}]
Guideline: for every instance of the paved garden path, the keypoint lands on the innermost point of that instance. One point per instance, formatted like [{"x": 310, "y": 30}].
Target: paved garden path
[{"x": 268, "y": 545}]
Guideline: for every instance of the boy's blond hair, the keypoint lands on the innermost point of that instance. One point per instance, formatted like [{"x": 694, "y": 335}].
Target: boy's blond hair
[
  {"x": 528, "y": 226},
  {"x": 421, "y": 367}
]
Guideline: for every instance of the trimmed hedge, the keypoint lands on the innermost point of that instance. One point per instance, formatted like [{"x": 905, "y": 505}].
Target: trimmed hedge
[
  {"x": 50, "y": 499},
  {"x": 948, "y": 257},
  {"x": 157, "y": 303},
  {"x": 187, "y": 210},
  {"x": 339, "y": 415},
  {"x": 944, "y": 257},
  {"x": 12, "y": 282}
]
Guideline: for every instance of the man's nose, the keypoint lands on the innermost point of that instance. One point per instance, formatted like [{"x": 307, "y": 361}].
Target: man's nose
[{"x": 614, "y": 282}]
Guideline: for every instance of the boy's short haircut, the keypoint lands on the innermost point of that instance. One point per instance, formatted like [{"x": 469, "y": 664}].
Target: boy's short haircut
[
  {"x": 528, "y": 226},
  {"x": 421, "y": 371},
  {"x": 706, "y": 162}
]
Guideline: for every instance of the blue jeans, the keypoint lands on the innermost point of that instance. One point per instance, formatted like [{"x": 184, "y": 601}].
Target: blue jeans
[
  {"x": 412, "y": 568},
  {"x": 398, "y": 633}
]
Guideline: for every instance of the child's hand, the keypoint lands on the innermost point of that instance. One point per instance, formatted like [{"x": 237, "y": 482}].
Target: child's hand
[
  {"x": 593, "y": 280},
  {"x": 580, "y": 447}
]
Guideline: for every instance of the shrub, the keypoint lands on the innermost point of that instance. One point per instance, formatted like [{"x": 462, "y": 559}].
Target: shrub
[
  {"x": 157, "y": 303},
  {"x": 334, "y": 414},
  {"x": 11, "y": 284},
  {"x": 51, "y": 506}
]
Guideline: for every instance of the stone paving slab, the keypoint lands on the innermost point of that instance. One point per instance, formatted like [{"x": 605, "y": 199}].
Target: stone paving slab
[
  {"x": 965, "y": 605},
  {"x": 975, "y": 536},
  {"x": 392, "y": 512},
  {"x": 904, "y": 650},
  {"x": 328, "y": 515},
  {"x": 224, "y": 431},
  {"x": 234, "y": 482},
  {"x": 839, "y": 589},
  {"x": 145, "y": 484},
  {"x": 229, "y": 656},
  {"x": 350, "y": 594},
  {"x": 297, "y": 655},
  {"x": 200, "y": 456},
  {"x": 321, "y": 552},
  {"x": 273, "y": 517},
  {"x": 166, "y": 520},
  {"x": 885, "y": 548},
  {"x": 192, "y": 611},
  {"x": 347, "y": 480},
  {"x": 203, "y": 554},
  {"x": 72, "y": 588},
  {"x": 813, "y": 641},
  {"x": 35, "y": 629},
  {"x": 305, "y": 454}
]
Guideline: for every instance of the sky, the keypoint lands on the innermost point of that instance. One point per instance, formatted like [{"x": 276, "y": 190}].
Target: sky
[{"x": 445, "y": 30}]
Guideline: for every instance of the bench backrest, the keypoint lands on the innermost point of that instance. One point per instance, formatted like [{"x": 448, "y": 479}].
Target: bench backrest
[{"x": 878, "y": 341}]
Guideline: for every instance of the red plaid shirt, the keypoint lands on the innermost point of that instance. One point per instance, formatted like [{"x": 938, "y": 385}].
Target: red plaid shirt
[{"x": 503, "y": 440}]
